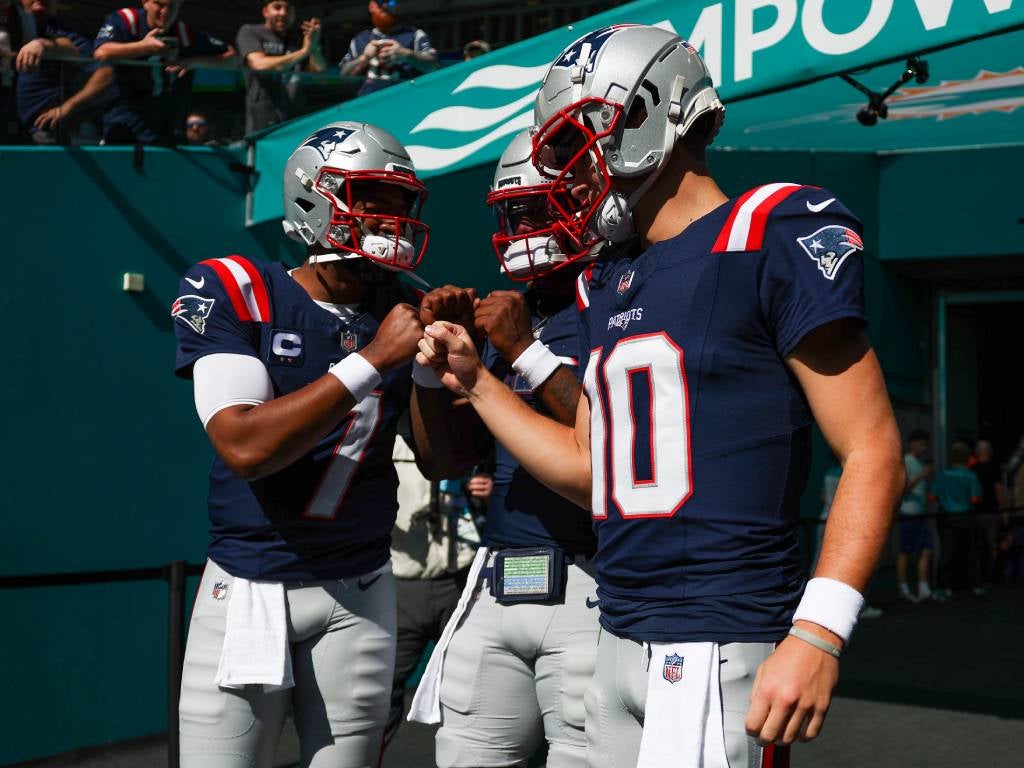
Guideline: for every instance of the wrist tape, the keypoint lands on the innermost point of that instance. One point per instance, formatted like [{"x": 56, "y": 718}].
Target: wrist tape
[
  {"x": 830, "y": 604},
  {"x": 425, "y": 377},
  {"x": 359, "y": 377},
  {"x": 536, "y": 364}
]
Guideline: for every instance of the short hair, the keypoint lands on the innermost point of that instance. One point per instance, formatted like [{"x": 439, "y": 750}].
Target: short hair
[
  {"x": 476, "y": 47},
  {"x": 917, "y": 434},
  {"x": 960, "y": 452}
]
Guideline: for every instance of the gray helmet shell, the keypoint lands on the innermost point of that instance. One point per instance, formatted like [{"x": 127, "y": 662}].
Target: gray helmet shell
[
  {"x": 623, "y": 65},
  {"x": 515, "y": 166},
  {"x": 347, "y": 147}
]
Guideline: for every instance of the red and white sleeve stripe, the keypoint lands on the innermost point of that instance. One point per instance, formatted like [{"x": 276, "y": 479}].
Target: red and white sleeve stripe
[
  {"x": 744, "y": 229},
  {"x": 245, "y": 287},
  {"x": 583, "y": 288},
  {"x": 130, "y": 16}
]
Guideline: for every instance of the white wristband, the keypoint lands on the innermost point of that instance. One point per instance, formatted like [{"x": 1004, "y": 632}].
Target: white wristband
[
  {"x": 830, "y": 604},
  {"x": 359, "y": 377},
  {"x": 425, "y": 377},
  {"x": 536, "y": 364}
]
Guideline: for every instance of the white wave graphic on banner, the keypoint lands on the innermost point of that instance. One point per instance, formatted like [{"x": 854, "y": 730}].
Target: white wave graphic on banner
[
  {"x": 504, "y": 77},
  {"x": 433, "y": 158},
  {"x": 471, "y": 118}
]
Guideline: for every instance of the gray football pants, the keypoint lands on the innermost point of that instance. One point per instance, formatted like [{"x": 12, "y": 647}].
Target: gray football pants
[
  {"x": 617, "y": 696},
  {"x": 343, "y": 654},
  {"x": 515, "y": 674}
]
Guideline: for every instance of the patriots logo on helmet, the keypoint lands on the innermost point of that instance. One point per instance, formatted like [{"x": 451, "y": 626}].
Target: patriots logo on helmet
[
  {"x": 829, "y": 247},
  {"x": 193, "y": 310},
  {"x": 571, "y": 56},
  {"x": 672, "y": 670},
  {"x": 326, "y": 139}
]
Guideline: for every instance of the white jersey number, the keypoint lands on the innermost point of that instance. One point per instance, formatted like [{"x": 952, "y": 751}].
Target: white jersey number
[
  {"x": 652, "y": 361},
  {"x": 347, "y": 456}
]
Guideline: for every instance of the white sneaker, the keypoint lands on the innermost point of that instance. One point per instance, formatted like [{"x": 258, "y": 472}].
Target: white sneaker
[
  {"x": 924, "y": 593},
  {"x": 910, "y": 597}
]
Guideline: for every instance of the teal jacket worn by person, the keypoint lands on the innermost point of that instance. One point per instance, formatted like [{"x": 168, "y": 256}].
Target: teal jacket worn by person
[{"x": 956, "y": 489}]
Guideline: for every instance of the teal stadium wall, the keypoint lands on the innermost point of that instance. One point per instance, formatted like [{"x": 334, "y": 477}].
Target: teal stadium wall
[{"x": 105, "y": 461}]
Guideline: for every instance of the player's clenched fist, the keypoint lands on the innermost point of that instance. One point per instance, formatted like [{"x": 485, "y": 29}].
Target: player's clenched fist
[
  {"x": 449, "y": 303},
  {"x": 792, "y": 692},
  {"x": 504, "y": 319},
  {"x": 394, "y": 344},
  {"x": 450, "y": 351}
]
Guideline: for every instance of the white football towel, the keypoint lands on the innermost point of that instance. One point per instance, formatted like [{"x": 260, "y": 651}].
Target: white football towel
[
  {"x": 426, "y": 703},
  {"x": 683, "y": 725},
  {"x": 256, "y": 649}
]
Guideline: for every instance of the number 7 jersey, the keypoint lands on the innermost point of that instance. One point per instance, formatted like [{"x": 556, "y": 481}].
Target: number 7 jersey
[
  {"x": 328, "y": 515},
  {"x": 699, "y": 432}
]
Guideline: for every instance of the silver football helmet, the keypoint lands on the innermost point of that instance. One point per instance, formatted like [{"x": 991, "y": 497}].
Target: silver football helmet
[
  {"x": 622, "y": 95},
  {"x": 330, "y": 197},
  {"x": 519, "y": 198}
]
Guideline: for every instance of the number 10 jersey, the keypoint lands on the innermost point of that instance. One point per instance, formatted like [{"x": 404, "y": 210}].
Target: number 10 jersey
[{"x": 700, "y": 433}]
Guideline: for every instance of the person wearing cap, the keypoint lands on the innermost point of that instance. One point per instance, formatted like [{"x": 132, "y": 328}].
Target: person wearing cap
[
  {"x": 273, "y": 55},
  {"x": 390, "y": 51}
]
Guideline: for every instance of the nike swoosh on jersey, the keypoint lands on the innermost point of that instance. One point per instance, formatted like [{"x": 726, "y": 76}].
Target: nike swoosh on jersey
[
  {"x": 197, "y": 284},
  {"x": 593, "y": 604},
  {"x": 819, "y": 207},
  {"x": 365, "y": 585}
]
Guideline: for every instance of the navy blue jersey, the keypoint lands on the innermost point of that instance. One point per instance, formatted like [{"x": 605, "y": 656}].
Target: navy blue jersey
[
  {"x": 146, "y": 103},
  {"x": 699, "y": 431},
  {"x": 523, "y": 512},
  {"x": 380, "y": 74},
  {"x": 330, "y": 514}
]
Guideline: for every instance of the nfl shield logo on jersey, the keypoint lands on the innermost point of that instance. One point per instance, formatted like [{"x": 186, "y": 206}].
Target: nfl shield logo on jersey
[
  {"x": 673, "y": 668},
  {"x": 349, "y": 341},
  {"x": 624, "y": 282},
  {"x": 220, "y": 591},
  {"x": 830, "y": 246},
  {"x": 193, "y": 310}
]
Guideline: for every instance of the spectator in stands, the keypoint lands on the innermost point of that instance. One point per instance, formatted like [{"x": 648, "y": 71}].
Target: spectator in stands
[
  {"x": 432, "y": 545},
  {"x": 149, "y": 103},
  {"x": 957, "y": 491},
  {"x": 199, "y": 130},
  {"x": 915, "y": 531},
  {"x": 475, "y": 48},
  {"x": 274, "y": 56},
  {"x": 47, "y": 95},
  {"x": 993, "y": 499},
  {"x": 390, "y": 51}
]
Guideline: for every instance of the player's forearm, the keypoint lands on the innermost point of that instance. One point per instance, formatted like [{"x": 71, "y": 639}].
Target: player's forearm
[
  {"x": 450, "y": 439},
  {"x": 858, "y": 523},
  {"x": 546, "y": 449},
  {"x": 256, "y": 441},
  {"x": 560, "y": 396}
]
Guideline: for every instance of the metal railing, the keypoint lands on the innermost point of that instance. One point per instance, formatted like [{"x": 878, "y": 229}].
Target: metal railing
[{"x": 174, "y": 574}]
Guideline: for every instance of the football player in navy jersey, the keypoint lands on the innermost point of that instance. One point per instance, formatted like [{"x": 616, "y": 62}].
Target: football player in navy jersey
[
  {"x": 300, "y": 376},
  {"x": 515, "y": 665},
  {"x": 716, "y": 331}
]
